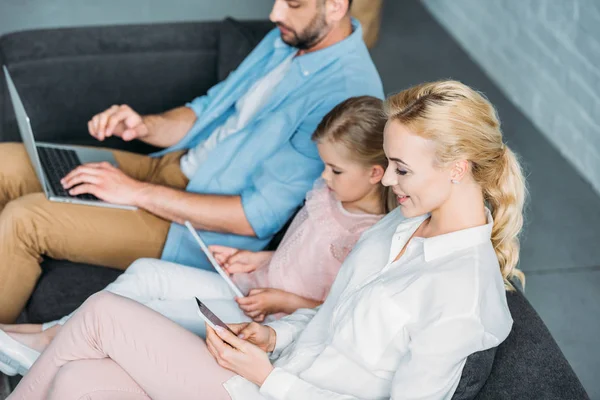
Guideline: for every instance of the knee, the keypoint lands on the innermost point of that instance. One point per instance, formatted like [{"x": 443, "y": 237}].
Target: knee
[
  {"x": 24, "y": 212},
  {"x": 101, "y": 302},
  {"x": 15, "y": 160},
  {"x": 65, "y": 383},
  {"x": 143, "y": 265}
]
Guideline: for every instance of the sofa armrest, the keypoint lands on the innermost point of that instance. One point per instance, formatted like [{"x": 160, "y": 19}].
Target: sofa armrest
[{"x": 64, "y": 76}]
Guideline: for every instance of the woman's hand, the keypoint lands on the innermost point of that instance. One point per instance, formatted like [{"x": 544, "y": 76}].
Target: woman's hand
[
  {"x": 235, "y": 260},
  {"x": 260, "y": 335},
  {"x": 262, "y": 302},
  {"x": 242, "y": 357}
]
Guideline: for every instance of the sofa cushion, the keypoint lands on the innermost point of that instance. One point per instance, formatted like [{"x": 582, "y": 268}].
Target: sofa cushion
[{"x": 63, "y": 287}]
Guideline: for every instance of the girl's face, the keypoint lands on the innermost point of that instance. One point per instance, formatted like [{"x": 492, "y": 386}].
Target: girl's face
[
  {"x": 419, "y": 184},
  {"x": 349, "y": 180}
]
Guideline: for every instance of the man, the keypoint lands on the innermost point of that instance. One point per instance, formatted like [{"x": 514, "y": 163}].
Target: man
[{"x": 237, "y": 161}]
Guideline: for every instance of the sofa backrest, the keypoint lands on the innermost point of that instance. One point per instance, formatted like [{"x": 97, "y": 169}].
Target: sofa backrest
[{"x": 65, "y": 76}]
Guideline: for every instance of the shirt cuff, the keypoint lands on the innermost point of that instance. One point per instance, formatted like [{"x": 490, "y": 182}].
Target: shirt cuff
[
  {"x": 285, "y": 336},
  {"x": 277, "y": 384}
]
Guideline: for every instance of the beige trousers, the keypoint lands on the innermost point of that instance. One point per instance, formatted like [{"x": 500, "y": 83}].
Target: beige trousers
[{"x": 32, "y": 227}]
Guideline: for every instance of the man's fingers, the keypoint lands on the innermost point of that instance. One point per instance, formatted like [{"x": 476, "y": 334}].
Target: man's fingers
[
  {"x": 98, "y": 165},
  {"x": 88, "y": 169},
  {"x": 85, "y": 188},
  {"x": 82, "y": 178},
  {"x": 103, "y": 120},
  {"x": 92, "y": 130},
  {"x": 115, "y": 119},
  {"x": 129, "y": 134}
]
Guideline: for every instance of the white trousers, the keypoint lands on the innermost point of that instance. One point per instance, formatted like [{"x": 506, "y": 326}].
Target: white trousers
[{"x": 170, "y": 289}]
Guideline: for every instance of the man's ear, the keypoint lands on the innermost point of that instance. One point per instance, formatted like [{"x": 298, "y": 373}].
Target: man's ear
[
  {"x": 336, "y": 9},
  {"x": 377, "y": 172}
]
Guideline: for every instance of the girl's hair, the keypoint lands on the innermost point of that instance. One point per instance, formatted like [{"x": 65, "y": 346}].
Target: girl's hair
[
  {"x": 358, "y": 124},
  {"x": 464, "y": 125}
]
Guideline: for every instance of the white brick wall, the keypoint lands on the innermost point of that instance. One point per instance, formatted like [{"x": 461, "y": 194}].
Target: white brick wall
[{"x": 545, "y": 55}]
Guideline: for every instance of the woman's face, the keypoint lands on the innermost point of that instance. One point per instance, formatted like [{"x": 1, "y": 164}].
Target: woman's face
[{"x": 421, "y": 186}]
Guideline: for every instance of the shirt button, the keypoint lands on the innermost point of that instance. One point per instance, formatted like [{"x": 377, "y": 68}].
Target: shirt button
[{"x": 306, "y": 73}]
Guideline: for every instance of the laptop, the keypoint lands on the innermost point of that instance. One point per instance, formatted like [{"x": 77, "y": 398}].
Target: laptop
[{"x": 53, "y": 162}]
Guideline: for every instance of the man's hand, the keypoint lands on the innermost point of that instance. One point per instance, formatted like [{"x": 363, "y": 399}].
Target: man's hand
[
  {"x": 120, "y": 121},
  {"x": 235, "y": 260},
  {"x": 262, "y": 302},
  {"x": 105, "y": 182}
]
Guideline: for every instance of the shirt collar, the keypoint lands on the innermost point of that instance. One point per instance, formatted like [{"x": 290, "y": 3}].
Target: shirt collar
[
  {"x": 315, "y": 61},
  {"x": 449, "y": 243}
]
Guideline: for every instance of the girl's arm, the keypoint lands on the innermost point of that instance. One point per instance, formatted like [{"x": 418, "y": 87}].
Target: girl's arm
[
  {"x": 292, "y": 302},
  {"x": 262, "y": 302}
]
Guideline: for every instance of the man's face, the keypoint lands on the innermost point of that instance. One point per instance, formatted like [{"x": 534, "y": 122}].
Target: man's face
[{"x": 302, "y": 23}]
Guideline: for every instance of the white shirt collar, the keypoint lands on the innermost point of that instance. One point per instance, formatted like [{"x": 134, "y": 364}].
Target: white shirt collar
[{"x": 442, "y": 245}]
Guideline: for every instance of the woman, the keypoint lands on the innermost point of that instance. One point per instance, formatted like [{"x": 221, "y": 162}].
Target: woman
[{"x": 421, "y": 291}]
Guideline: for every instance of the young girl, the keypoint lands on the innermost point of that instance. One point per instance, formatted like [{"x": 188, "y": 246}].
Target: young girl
[
  {"x": 347, "y": 200},
  {"x": 422, "y": 289}
]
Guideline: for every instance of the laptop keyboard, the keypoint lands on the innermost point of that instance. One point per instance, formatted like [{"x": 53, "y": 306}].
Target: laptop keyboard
[{"x": 57, "y": 163}]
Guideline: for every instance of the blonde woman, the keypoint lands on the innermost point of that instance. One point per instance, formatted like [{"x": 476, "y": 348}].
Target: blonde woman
[{"x": 421, "y": 291}]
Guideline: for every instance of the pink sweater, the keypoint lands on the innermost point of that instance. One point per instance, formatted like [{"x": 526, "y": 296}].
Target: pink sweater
[{"x": 313, "y": 249}]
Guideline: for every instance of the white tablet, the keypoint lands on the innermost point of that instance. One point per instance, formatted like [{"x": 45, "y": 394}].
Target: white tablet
[{"x": 212, "y": 260}]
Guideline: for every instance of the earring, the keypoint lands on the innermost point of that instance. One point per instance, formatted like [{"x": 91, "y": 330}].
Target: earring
[{"x": 455, "y": 181}]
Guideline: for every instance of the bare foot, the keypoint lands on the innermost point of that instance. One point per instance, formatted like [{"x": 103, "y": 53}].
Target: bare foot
[
  {"x": 36, "y": 341},
  {"x": 21, "y": 328}
]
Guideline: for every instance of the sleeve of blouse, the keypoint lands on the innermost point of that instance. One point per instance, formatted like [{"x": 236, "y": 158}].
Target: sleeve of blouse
[{"x": 289, "y": 328}]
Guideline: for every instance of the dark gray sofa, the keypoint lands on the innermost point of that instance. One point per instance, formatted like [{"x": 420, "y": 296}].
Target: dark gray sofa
[{"x": 67, "y": 75}]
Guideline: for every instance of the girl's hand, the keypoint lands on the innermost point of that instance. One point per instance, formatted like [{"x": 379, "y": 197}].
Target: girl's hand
[
  {"x": 235, "y": 260},
  {"x": 242, "y": 357},
  {"x": 262, "y": 302}
]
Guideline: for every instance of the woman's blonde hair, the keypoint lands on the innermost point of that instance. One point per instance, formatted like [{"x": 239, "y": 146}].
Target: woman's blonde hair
[
  {"x": 358, "y": 124},
  {"x": 464, "y": 125}
]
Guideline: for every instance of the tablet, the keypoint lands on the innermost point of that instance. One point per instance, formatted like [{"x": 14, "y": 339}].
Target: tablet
[
  {"x": 209, "y": 317},
  {"x": 212, "y": 260}
]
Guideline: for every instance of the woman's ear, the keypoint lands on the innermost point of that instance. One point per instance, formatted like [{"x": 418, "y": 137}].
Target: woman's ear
[
  {"x": 459, "y": 170},
  {"x": 377, "y": 172}
]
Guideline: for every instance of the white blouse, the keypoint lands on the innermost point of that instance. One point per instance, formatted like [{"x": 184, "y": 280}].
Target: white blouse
[{"x": 392, "y": 329}]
